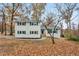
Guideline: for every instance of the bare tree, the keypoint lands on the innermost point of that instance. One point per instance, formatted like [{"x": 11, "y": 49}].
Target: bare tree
[
  {"x": 50, "y": 19},
  {"x": 38, "y": 10},
  {"x": 2, "y": 10},
  {"x": 2, "y": 13},
  {"x": 11, "y": 11},
  {"x": 67, "y": 10},
  {"x": 54, "y": 20},
  {"x": 25, "y": 11}
]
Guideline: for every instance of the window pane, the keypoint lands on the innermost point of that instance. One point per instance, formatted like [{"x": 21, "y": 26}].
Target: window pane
[
  {"x": 36, "y": 23},
  {"x": 30, "y": 23},
  {"x": 30, "y": 32},
  {"x": 33, "y": 32},
  {"x": 55, "y": 31},
  {"x": 23, "y": 23},
  {"x": 17, "y": 32},
  {"x": 24, "y": 32},
  {"x": 36, "y": 32},
  {"x": 20, "y": 32},
  {"x": 49, "y": 30},
  {"x": 33, "y": 23},
  {"x": 17, "y": 23}
]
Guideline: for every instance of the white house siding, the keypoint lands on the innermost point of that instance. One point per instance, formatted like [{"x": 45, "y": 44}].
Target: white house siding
[
  {"x": 57, "y": 35},
  {"x": 20, "y": 28},
  {"x": 35, "y": 28},
  {"x": 28, "y": 28}
]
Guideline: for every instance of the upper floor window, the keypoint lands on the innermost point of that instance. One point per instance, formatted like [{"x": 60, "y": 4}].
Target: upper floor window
[
  {"x": 33, "y": 32},
  {"x": 18, "y": 23},
  {"x": 21, "y": 23},
  {"x": 33, "y": 23}
]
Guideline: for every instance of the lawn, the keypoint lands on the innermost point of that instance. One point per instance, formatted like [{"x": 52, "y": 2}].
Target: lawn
[{"x": 16, "y": 47}]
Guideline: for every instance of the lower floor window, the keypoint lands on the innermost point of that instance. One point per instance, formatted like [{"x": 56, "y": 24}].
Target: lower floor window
[
  {"x": 55, "y": 31},
  {"x": 21, "y": 32},
  {"x": 33, "y": 32},
  {"x": 49, "y": 30},
  {"x": 24, "y": 32}
]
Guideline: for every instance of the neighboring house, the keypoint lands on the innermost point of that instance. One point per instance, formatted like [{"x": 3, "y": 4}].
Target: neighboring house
[
  {"x": 34, "y": 29},
  {"x": 50, "y": 29},
  {"x": 27, "y": 29}
]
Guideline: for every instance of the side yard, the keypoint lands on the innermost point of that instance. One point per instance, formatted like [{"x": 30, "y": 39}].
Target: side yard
[{"x": 43, "y": 47}]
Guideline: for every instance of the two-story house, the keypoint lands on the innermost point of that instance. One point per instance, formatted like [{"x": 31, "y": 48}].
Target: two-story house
[{"x": 27, "y": 29}]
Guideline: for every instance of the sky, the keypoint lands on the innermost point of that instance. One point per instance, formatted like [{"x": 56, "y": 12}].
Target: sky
[{"x": 51, "y": 7}]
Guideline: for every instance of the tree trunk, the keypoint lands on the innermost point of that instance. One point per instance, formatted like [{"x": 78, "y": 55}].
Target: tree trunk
[
  {"x": 3, "y": 20},
  {"x": 5, "y": 28},
  {"x": 62, "y": 34},
  {"x": 53, "y": 42},
  {"x": 2, "y": 27},
  {"x": 4, "y": 23},
  {"x": 11, "y": 27}
]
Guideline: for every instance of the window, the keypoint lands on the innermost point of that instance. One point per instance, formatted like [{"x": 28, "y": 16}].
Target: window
[
  {"x": 18, "y": 23},
  {"x": 21, "y": 32},
  {"x": 30, "y": 32},
  {"x": 21, "y": 23},
  {"x": 36, "y": 23},
  {"x": 42, "y": 31},
  {"x": 55, "y": 31},
  {"x": 49, "y": 30},
  {"x": 33, "y": 23},
  {"x": 33, "y": 32},
  {"x": 36, "y": 32},
  {"x": 17, "y": 32}
]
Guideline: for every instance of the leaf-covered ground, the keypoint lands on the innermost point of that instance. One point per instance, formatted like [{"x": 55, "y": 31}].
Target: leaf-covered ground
[{"x": 38, "y": 47}]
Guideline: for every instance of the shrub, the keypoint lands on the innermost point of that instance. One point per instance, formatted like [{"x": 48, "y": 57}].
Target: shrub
[{"x": 74, "y": 38}]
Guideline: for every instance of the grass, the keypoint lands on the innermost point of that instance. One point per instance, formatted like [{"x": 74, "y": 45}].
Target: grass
[{"x": 74, "y": 38}]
